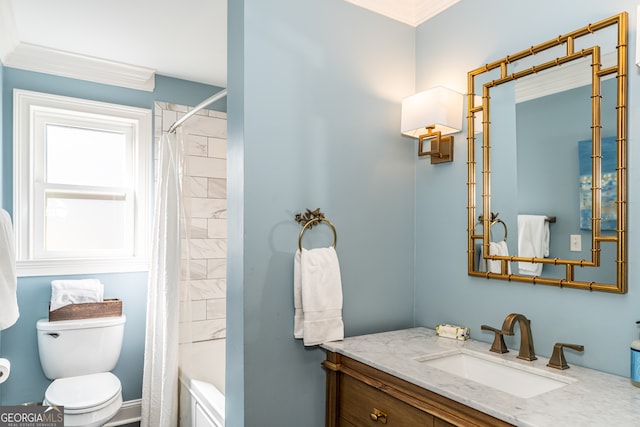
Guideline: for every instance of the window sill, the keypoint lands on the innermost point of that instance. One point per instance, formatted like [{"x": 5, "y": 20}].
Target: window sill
[{"x": 57, "y": 267}]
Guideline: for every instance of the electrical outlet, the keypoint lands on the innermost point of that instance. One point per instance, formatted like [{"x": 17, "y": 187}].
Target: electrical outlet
[{"x": 576, "y": 242}]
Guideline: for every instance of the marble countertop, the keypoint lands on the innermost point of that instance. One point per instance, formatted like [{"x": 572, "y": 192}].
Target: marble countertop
[{"x": 591, "y": 398}]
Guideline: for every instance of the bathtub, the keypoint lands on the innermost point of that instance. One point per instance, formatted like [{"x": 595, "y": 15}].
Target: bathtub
[{"x": 202, "y": 399}]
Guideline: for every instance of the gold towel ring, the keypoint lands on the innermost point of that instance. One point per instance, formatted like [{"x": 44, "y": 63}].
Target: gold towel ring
[
  {"x": 314, "y": 221},
  {"x": 492, "y": 222},
  {"x": 503, "y": 224}
]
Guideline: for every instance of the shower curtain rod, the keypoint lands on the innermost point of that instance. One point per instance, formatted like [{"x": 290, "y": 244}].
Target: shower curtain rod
[{"x": 197, "y": 108}]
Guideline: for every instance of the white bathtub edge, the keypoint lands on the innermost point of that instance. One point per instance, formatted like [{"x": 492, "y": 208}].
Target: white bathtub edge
[{"x": 208, "y": 398}]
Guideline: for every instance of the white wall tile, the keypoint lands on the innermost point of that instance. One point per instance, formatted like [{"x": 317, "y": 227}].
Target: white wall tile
[
  {"x": 208, "y": 126},
  {"x": 197, "y": 145},
  {"x": 216, "y": 188},
  {"x": 168, "y": 118},
  {"x": 200, "y": 228},
  {"x": 216, "y": 308},
  {"x": 204, "y": 189},
  {"x": 195, "y": 269},
  {"x": 208, "y": 208},
  {"x": 207, "y": 248},
  {"x": 217, "y": 148},
  {"x": 217, "y": 228},
  {"x": 208, "y": 289},
  {"x": 209, "y": 330},
  {"x": 217, "y": 268},
  {"x": 199, "y": 310},
  {"x": 195, "y": 186},
  {"x": 218, "y": 114},
  {"x": 209, "y": 167}
]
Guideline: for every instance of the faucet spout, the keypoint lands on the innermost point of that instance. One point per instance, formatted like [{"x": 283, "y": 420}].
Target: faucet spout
[{"x": 526, "y": 339}]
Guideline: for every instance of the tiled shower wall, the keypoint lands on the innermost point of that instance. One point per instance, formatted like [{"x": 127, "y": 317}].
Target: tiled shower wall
[{"x": 205, "y": 198}]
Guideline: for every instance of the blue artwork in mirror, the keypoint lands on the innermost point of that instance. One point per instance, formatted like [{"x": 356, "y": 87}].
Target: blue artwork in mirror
[{"x": 609, "y": 184}]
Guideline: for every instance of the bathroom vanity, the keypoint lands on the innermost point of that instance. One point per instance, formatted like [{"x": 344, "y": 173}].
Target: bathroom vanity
[
  {"x": 414, "y": 378},
  {"x": 360, "y": 395}
]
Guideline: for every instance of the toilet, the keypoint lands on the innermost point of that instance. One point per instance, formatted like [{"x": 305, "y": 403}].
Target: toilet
[{"x": 78, "y": 356}]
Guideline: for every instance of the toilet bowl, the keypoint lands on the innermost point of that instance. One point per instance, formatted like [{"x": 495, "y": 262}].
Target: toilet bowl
[
  {"x": 88, "y": 400},
  {"x": 78, "y": 356}
]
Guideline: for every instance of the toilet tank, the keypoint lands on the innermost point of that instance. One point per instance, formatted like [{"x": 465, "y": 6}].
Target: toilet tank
[{"x": 69, "y": 348}]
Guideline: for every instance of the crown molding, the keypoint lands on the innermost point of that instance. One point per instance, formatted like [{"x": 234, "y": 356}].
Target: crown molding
[
  {"x": 66, "y": 64},
  {"x": 426, "y": 10},
  {"x": 400, "y": 10}
]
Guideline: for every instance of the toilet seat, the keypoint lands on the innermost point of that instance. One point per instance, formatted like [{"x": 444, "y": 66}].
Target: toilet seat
[{"x": 85, "y": 393}]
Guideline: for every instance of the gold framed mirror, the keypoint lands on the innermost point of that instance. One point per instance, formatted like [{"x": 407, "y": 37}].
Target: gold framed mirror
[{"x": 548, "y": 126}]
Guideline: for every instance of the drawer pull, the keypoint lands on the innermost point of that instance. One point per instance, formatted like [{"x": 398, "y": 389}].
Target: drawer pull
[{"x": 378, "y": 415}]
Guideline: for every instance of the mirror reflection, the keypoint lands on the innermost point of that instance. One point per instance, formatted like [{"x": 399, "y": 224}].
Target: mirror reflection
[{"x": 547, "y": 153}]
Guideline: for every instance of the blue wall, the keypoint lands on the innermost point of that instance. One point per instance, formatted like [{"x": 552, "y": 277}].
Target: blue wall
[
  {"x": 603, "y": 323},
  {"x": 314, "y": 112},
  {"x": 27, "y": 382}
]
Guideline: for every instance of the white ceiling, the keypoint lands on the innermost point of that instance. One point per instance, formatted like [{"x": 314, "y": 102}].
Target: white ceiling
[
  {"x": 412, "y": 12},
  {"x": 185, "y": 39},
  {"x": 126, "y": 42}
]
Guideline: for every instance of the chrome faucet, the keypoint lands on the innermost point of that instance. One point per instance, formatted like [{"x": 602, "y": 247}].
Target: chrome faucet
[{"x": 526, "y": 339}]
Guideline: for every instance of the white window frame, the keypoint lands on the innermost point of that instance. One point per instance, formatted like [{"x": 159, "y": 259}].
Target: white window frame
[{"x": 31, "y": 110}]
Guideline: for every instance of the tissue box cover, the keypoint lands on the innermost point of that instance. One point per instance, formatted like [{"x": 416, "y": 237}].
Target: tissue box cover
[{"x": 107, "y": 308}]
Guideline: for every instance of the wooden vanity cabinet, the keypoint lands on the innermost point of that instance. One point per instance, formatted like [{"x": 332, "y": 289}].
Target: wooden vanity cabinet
[{"x": 359, "y": 395}]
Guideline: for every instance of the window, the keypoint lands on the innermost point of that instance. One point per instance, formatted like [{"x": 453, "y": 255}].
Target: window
[{"x": 82, "y": 172}]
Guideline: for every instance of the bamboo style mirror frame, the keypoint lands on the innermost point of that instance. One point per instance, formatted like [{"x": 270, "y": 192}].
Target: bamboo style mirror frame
[{"x": 562, "y": 52}]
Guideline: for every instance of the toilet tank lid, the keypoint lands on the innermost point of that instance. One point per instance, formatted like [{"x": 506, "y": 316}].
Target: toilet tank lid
[{"x": 61, "y": 325}]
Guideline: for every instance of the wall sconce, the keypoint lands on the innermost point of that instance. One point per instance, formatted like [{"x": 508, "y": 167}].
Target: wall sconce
[{"x": 438, "y": 111}]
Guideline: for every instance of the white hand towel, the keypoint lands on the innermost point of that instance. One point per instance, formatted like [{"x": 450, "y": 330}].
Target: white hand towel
[
  {"x": 298, "y": 316},
  {"x": 9, "y": 312},
  {"x": 65, "y": 292},
  {"x": 321, "y": 296},
  {"x": 533, "y": 241},
  {"x": 501, "y": 249},
  {"x": 482, "y": 263}
]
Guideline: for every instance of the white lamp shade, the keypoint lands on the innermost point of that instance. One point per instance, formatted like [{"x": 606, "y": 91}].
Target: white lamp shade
[{"x": 438, "y": 106}]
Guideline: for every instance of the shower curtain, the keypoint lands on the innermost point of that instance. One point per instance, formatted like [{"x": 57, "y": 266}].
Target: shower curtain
[{"x": 161, "y": 358}]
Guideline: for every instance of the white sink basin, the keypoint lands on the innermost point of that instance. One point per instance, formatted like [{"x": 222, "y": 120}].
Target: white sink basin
[{"x": 498, "y": 373}]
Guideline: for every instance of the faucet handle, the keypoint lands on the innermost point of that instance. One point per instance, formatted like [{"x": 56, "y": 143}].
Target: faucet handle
[
  {"x": 557, "y": 360},
  {"x": 498, "y": 345}
]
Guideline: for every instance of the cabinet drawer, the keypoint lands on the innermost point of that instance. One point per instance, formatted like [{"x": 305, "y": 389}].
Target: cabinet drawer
[
  {"x": 358, "y": 401},
  {"x": 441, "y": 423}
]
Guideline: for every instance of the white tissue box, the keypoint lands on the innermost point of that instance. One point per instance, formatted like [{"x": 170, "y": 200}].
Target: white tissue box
[{"x": 453, "y": 332}]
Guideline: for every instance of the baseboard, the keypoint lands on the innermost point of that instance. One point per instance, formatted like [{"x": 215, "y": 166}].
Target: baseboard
[{"x": 129, "y": 413}]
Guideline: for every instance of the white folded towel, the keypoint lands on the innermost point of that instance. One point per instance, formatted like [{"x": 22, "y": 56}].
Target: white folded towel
[
  {"x": 533, "y": 241},
  {"x": 298, "y": 317},
  {"x": 65, "y": 292},
  {"x": 501, "y": 249},
  {"x": 9, "y": 312},
  {"x": 321, "y": 295}
]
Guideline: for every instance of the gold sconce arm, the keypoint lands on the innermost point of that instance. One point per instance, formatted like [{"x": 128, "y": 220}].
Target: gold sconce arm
[{"x": 441, "y": 146}]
